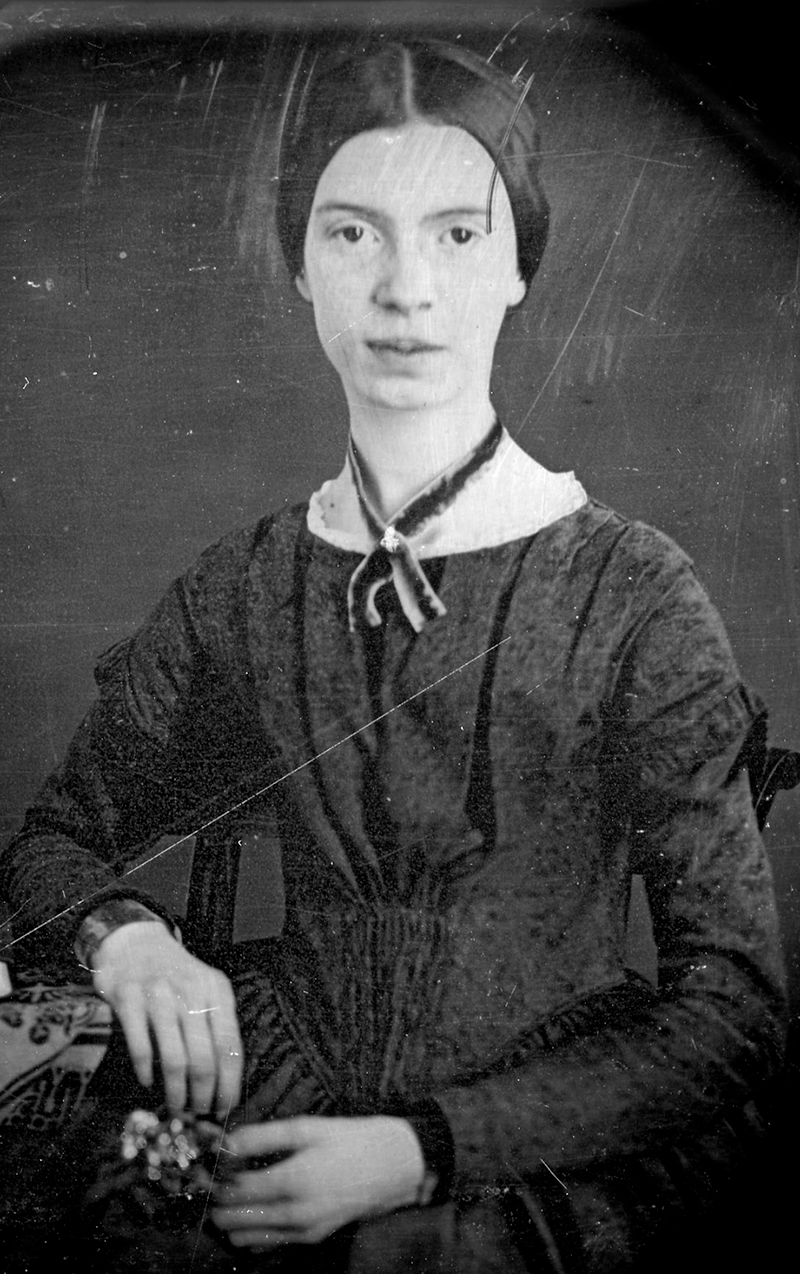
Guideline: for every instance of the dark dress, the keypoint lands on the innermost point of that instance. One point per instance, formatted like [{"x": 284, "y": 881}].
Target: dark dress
[{"x": 456, "y": 876}]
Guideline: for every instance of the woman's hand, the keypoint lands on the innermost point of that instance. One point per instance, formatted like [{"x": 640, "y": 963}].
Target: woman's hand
[
  {"x": 163, "y": 995},
  {"x": 338, "y": 1170}
]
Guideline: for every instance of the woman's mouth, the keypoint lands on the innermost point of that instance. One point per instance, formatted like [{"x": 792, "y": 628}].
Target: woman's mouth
[{"x": 405, "y": 347}]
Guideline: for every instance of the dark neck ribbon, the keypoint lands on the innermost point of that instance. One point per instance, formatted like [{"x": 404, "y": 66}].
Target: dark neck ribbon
[{"x": 392, "y": 558}]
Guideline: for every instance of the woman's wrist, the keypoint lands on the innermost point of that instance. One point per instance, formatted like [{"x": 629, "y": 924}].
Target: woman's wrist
[
  {"x": 435, "y": 1139},
  {"x": 407, "y": 1162},
  {"x": 108, "y": 916}
]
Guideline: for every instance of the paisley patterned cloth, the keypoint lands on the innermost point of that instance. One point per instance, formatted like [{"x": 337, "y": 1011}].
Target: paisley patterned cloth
[{"x": 51, "y": 1041}]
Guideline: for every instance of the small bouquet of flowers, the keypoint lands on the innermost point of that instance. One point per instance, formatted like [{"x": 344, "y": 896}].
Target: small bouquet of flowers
[
  {"x": 181, "y": 1153},
  {"x": 149, "y": 1207},
  {"x": 174, "y": 1158}
]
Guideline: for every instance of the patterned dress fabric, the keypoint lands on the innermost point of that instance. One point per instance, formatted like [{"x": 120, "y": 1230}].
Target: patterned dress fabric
[{"x": 460, "y": 812}]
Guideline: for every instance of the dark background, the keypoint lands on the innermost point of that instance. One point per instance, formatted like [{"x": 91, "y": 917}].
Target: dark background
[{"x": 156, "y": 391}]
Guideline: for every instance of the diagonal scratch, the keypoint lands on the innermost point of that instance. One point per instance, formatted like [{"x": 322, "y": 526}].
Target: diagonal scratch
[
  {"x": 263, "y": 790},
  {"x": 36, "y": 110},
  {"x": 614, "y": 240},
  {"x": 510, "y": 31},
  {"x": 552, "y": 1174},
  {"x": 612, "y": 150},
  {"x": 217, "y": 74},
  {"x": 360, "y": 319},
  {"x": 90, "y": 166},
  {"x": 209, "y": 1193}
]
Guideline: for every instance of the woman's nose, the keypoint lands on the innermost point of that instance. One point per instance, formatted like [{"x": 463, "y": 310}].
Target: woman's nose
[{"x": 404, "y": 282}]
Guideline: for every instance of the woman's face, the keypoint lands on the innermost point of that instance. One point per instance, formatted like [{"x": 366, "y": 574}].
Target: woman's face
[{"x": 409, "y": 291}]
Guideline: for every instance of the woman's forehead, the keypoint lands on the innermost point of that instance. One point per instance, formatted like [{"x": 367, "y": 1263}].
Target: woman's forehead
[{"x": 419, "y": 164}]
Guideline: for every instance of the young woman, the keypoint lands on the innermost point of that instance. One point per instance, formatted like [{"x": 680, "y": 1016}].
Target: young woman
[{"x": 475, "y": 702}]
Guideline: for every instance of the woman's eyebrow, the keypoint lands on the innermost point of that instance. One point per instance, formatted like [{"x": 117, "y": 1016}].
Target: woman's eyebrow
[
  {"x": 373, "y": 214},
  {"x": 355, "y": 209},
  {"x": 466, "y": 210}
]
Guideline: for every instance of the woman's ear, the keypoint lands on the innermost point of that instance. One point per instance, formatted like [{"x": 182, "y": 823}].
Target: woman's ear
[{"x": 301, "y": 283}]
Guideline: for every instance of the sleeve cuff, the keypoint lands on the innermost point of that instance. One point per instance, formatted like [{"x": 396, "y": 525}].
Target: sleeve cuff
[
  {"x": 107, "y": 916},
  {"x": 435, "y": 1137}
]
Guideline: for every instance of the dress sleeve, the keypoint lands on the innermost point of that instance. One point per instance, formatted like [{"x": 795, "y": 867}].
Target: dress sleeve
[
  {"x": 139, "y": 767},
  {"x": 639, "y": 1076}
]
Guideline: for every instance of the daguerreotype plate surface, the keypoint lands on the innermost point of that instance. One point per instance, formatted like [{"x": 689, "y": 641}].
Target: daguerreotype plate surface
[{"x": 162, "y": 381}]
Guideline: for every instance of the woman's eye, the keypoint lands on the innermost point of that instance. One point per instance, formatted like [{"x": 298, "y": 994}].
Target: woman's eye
[
  {"x": 461, "y": 235},
  {"x": 351, "y": 234}
]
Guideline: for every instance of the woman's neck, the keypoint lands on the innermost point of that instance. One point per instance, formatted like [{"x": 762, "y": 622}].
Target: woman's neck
[{"x": 401, "y": 452}]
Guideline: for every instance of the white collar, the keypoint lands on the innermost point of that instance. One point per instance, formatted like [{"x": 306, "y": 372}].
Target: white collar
[{"x": 511, "y": 497}]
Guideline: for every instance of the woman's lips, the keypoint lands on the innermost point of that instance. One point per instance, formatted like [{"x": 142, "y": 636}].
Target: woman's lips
[{"x": 403, "y": 346}]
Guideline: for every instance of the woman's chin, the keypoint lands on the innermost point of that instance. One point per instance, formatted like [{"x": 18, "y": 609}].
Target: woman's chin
[{"x": 404, "y": 394}]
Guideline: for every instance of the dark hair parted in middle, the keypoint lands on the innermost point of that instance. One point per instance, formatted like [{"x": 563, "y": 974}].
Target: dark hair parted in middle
[{"x": 360, "y": 87}]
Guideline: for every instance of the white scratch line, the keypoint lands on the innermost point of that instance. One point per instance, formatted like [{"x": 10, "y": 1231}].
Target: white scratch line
[
  {"x": 510, "y": 31},
  {"x": 262, "y": 790},
  {"x": 360, "y": 319},
  {"x": 620, "y": 154},
  {"x": 7, "y": 919},
  {"x": 588, "y": 300},
  {"x": 26, "y": 106},
  {"x": 209, "y": 1193},
  {"x": 213, "y": 89},
  {"x": 552, "y": 1174}
]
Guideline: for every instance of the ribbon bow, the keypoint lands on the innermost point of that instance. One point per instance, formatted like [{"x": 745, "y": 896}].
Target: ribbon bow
[{"x": 392, "y": 557}]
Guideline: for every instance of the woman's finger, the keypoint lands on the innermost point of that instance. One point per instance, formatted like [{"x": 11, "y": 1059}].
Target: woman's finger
[
  {"x": 201, "y": 1057},
  {"x": 273, "y": 1137},
  {"x": 130, "y": 1007},
  {"x": 262, "y": 1240},
  {"x": 276, "y": 1216},
  {"x": 229, "y": 1053},
  {"x": 265, "y": 1186},
  {"x": 165, "y": 1012}
]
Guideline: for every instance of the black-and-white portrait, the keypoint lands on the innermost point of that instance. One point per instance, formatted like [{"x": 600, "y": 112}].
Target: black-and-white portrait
[{"x": 401, "y": 678}]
